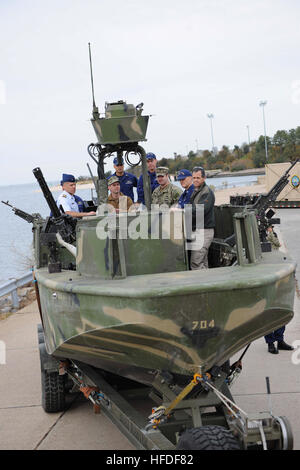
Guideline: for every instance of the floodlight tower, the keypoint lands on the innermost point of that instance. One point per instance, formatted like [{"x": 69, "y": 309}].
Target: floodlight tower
[
  {"x": 211, "y": 116},
  {"x": 263, "y": 104},
  {"x": 248, "y": 134}
]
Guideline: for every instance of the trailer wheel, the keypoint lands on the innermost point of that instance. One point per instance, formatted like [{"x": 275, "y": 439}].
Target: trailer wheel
[
  {"x": 40, "y": 331},
  {"x": 53, "y": 391},
  {"x": 208, "y": 438},
  {"x": 287, "y": 440}
]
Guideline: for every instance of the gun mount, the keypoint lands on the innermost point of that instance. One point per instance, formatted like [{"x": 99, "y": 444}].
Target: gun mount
[
  {"x": 122, "y": 124},
  {"x": 264, "y": 201},
  {"x": 62, "y": 223},
  {"x": 261, "y": 205}
]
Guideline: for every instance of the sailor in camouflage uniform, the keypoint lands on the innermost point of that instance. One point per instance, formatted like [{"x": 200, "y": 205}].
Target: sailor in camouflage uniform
[
  {"x": 272, "y": 238},
  {"x": 166, "y": 193}
]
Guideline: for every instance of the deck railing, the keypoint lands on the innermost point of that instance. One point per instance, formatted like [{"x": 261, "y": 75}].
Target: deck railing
[{"x": 11, "y": 287}]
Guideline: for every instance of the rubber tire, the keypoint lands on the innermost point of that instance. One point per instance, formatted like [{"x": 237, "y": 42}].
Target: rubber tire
[
  {"x": 208, "y": 438},
  {"x": 53, "y": 392},
  {"x": 289, "y": 434},
  {"x": 41, "y": 338}
]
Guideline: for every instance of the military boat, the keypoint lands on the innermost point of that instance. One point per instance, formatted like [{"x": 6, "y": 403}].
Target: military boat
[{"x": 116, "y": 296}]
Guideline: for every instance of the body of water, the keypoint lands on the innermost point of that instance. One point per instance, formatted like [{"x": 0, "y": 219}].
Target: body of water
[{"x": 16, "y": 234}]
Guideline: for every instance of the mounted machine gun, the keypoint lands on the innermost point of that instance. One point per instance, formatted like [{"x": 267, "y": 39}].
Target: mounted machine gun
[
  {"x": 30, "y": 218},
  {"x": 63, "y": 223},
  {"x": 262, "y": 205},
  {"x": 264, "y": 201}
]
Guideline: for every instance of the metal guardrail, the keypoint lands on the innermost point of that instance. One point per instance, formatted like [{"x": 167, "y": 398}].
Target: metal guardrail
[{"x": 11, "y": 287}]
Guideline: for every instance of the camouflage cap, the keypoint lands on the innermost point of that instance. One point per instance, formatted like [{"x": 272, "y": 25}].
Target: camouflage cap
[
  {"x": 162, "y": 170},
  {"x": 113, "y": 179}
]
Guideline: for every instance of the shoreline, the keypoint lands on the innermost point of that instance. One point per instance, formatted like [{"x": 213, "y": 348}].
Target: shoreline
[{"x": 223, "y": 195}]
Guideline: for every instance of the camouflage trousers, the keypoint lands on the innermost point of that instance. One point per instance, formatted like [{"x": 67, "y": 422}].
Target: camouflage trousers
[{"x": 199, "y": 248}]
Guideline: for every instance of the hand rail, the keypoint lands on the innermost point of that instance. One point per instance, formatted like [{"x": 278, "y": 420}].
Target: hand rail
[{"x": 11, "y": 287}]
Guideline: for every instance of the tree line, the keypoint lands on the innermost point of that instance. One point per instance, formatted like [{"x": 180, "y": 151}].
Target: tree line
[{"x": 284, "y": 146}]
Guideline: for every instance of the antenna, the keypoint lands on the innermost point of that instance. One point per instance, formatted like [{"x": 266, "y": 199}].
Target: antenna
[
  {"x": 92, "y": 176},
  {"x": 95, "y": 109}
]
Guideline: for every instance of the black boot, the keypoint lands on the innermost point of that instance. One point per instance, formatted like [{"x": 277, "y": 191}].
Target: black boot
[
  {"x": 272, "y": 349},
  {"x": 284, "y": 346}
]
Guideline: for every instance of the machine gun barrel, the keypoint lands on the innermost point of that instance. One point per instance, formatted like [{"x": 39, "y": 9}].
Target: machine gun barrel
[
  {"x": 47, "y": 193},
  {"x": 64, "y": 223},
  {"x": 264, "y": 201},
  {"x": 24, "y": 215}
]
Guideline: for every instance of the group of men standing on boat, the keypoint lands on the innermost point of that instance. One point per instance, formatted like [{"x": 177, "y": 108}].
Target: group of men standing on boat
[{"x": 164, "y": 193}]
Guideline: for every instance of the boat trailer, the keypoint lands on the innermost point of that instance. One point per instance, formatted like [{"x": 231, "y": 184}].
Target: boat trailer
[{"x": 200, "y": 415}]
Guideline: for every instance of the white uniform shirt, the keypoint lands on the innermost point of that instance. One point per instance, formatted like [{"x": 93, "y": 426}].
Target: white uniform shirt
[{"x": 67, "y": 201}]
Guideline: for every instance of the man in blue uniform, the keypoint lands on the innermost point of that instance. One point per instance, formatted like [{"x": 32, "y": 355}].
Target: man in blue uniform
[
  {"x": 186, "y": 180},
  {"x": 127, "y": 180},
  {"x": 277, "y": 335},
  {"x": 71, "y": 204},
  {"x": 151, "y": 163}
]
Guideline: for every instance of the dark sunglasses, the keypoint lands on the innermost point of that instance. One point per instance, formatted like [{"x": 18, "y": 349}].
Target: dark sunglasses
[{"x": 197, "y": 168}]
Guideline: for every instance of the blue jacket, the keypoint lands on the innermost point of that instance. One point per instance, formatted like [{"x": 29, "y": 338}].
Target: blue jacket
[
  {"x": 127, "y": 183},
  {"x": 140, "y": 187},
  {"x": 185, "y": 196}
]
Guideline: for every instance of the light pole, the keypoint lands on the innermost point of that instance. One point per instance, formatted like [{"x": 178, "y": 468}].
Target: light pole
[
  {"x": 262, "y": 104},
  {"x": 248, "y": 134},
  {"x": 211, "y": 116}
]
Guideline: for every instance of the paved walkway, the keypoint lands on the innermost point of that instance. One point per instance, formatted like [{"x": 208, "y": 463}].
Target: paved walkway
[{"x": 23, "y": 423}]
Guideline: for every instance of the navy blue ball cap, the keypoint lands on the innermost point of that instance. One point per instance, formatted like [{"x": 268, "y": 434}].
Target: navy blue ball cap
[
  {"x": 67, "y": 178},
  {"x": 116, "y": 161},
  {"x": 151, "y": 155},
  {"x": 182, "y": 174}
]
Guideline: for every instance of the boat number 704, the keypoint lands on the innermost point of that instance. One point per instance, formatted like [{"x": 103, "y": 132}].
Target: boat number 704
[{"x": 203, "y": 324}]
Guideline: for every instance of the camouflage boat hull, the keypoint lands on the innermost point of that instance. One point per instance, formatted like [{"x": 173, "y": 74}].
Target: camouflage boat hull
[{"x": 182, "y": 322}]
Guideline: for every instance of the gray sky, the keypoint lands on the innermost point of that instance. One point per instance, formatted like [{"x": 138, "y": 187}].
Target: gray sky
[{"x": 183, "y": 59}]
